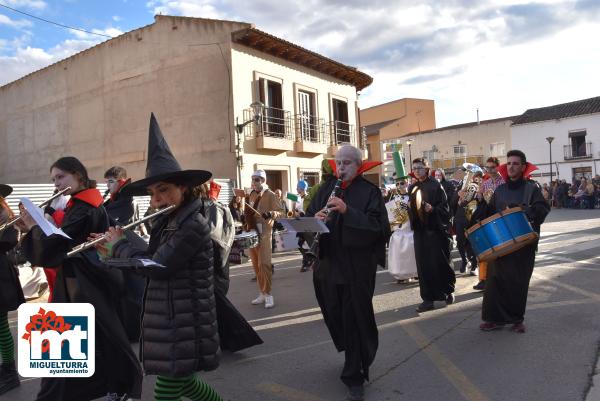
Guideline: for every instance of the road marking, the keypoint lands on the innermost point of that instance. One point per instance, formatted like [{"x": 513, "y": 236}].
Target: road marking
[
  {"x": 454, "y": 375},
  {"x": 580, "y": 291},
  {"x": 290, "y": 314},
  {"x": 286, "y": 392}
]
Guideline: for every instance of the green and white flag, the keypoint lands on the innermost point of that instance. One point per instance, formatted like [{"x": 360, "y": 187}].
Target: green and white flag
[{"x": 292, "y": 197}]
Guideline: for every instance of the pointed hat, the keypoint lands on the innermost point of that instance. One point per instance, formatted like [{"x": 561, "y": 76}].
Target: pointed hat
[
  {"x": 5, "y": 190},
  {"x": 162, "y": 165}
]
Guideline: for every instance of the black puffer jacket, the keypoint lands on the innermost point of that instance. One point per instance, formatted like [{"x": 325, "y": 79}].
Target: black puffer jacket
[{"x": 179, "y": 325}]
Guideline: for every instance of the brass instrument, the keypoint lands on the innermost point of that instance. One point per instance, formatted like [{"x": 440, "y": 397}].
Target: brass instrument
[
  {"x": 290, "y": 214},
  {"x": 400, "y": 211},
  {"x": 89, "y": 244},
  {"x": 44, "y": 203},
  {"x": 314, "y": 246},
  {"x": 471, "y": 188}
]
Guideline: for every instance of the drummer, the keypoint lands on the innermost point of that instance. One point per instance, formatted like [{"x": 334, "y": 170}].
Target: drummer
[
  {"x": 507, "y": 284},
  {"x": 260, "y": 216}
]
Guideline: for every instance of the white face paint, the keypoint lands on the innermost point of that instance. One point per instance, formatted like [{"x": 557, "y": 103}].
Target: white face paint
[
  {"x": 346, "y": 165},
  {"x": 420, "y": 170},
  {"x": 438, "y": 176}
]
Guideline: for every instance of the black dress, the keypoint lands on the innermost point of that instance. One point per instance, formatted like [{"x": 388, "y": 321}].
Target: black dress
[
  {"x": 117, "y": 367},
  {"x": 507, "y": 283},
  {"x": 432, "y": 240}
]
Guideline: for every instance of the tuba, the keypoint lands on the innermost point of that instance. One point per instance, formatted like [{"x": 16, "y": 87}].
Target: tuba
[
  {"x": 400, "y": 211},
  {"x": 471, "y": 188}
]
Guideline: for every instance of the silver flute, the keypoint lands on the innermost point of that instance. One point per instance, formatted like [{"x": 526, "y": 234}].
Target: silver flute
[
  {"x": 89, "y": 244},
  {"x": 43, "y": 204}
]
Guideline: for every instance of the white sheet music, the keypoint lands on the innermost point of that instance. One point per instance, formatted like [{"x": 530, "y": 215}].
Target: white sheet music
[{"x": 38, "y": 215}]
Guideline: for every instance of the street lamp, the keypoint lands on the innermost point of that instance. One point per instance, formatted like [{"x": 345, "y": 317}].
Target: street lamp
[
  {"x": 550, "y": 139},
  {"x": 409, "y": 142},
  {"x": 257, "y": 110}
]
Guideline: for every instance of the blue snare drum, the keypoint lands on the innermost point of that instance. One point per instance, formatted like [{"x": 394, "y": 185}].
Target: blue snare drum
[{"x": 501, "y": 234}]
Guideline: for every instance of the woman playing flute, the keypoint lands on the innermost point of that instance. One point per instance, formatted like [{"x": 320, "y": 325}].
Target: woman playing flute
[{"x": 79, "y": 279}]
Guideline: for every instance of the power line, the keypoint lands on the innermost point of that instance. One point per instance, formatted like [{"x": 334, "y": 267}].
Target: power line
[{"x": 54, "y": 23}]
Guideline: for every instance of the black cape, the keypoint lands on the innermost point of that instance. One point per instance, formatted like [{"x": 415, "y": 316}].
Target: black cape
[
  {"x": 11, "y": 293},
  {"x": 117, "y": 367},
  {"x": 120, "y": 209},
  {"x": 432, "y": 240},
  {"x": 349, "y": 256},
  {"x": 507, "y": 283}
]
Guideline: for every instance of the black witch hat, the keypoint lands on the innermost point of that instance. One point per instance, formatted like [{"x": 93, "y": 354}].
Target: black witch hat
[
  {"x": 5, "y": 190},
  {"x": 162, "y": 166}
]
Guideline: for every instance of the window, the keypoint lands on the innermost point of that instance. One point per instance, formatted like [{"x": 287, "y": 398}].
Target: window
[
  {"x": 341, "y": 127},
  {"x": 497, "y": 149},
  {"x": 429, "y": 155},
  {"x": 270, "y": 94},
  {"x": 577, "y": 139},
  {"x": 307, "y": 119},
  {"x": 312, "y": 177},
  {"x": 460, "y": 150}
]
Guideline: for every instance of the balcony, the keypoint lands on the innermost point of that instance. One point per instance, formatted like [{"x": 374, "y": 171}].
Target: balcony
[
  {"x": 583, "y": 151},
  {"x": 310, "y": 136},
  {"x": 340, "y": 133},
  {"x": 274, "y": 129}
]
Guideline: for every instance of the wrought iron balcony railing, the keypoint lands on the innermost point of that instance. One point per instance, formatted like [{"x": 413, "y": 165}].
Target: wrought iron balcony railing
[
  {"x": 341, "y": 132},
  {"x": 274, "y": 122},
  {"x": 309, "y": 129},
  {"x": 582, "y": 151}
]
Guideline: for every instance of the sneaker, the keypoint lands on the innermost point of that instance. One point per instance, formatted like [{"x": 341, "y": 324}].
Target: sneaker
[
  {"x": 473, "y": 271},
  {"x": 450, "y": 299},
  {"x": 425, "y": 306},
  {"x": 489, "y": 326},
  {"x": 518, "y": 328},
  {"x": 356, "y": 393},
  {"x": 480, "y": 286},
  {"x": 259, "y": 300},
  {"x": 269, "y": 302}
]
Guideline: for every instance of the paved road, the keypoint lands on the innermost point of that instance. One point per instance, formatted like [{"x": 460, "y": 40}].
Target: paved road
[{"x": 439, "y": 355}]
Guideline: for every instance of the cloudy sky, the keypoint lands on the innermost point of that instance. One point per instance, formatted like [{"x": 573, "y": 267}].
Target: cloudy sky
[{"x": 501, "y": 56}]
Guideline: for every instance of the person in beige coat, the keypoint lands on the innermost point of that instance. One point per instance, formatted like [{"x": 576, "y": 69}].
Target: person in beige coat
[{"x": 265, "y": 202}]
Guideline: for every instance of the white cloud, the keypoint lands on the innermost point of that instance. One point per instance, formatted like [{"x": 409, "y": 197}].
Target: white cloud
[
  {"x": 116, "y": 18},
  {"x": 33, "y": 4},
  {"x": 18, "y": 24}
]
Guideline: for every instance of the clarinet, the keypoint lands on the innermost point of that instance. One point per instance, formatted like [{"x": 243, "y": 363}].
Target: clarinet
[{"x": 314, "y": 247}]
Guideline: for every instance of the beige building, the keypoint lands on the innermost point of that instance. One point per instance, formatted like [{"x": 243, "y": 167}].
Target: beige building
[
  {"x": 450, "y": 147},
  {"x": 199, "y": 77},
  {"x": 384, "y": 125}
]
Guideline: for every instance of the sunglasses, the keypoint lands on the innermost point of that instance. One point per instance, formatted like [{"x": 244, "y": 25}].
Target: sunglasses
[{"x": 256, "y": 179}]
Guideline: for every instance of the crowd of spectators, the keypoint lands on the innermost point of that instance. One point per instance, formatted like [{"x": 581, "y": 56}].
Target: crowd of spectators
[{"x": 581, "y": 193}]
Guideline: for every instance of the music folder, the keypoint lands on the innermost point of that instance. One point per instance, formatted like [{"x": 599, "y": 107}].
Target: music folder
[
  {"x": 304, "y": 225},
  {"x": 38, "y": 215}
]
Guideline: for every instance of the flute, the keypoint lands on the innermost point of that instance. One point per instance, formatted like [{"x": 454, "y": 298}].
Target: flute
[
  {"x": 89, "y": 244},
  {"x": 44, "y": 203}
]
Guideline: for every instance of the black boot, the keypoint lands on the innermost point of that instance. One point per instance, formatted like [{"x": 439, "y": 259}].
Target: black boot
[{"x": 9, "y": 378}]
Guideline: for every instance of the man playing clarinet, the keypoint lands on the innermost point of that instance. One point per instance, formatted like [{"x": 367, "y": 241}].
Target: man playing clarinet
[{"x": 345, "y": 277}]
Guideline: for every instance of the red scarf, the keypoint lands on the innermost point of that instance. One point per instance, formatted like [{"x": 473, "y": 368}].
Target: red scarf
[
  {"x": 365, "y": 166},
  {"x": 90, "y": 196}
]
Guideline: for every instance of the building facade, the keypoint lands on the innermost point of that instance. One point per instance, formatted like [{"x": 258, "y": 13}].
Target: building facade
[
  {"x": 199, "y": 77},
  {"x": 386, "y": 124},
  {"x": 450, "y": 147},
  {"x": 575, "y": 131}
]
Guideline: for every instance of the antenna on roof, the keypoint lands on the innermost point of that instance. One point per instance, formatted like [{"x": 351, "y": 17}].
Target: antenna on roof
[{"x": 478, "y": 116}]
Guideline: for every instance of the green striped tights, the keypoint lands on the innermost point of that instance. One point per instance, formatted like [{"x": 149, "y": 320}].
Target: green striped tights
[
  {"x": 7, "y": 345},
  {"x": 172, "y": 389}
]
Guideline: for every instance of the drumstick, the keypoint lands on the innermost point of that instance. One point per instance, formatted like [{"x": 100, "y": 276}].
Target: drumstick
[{"x": 253, "y": 209}]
